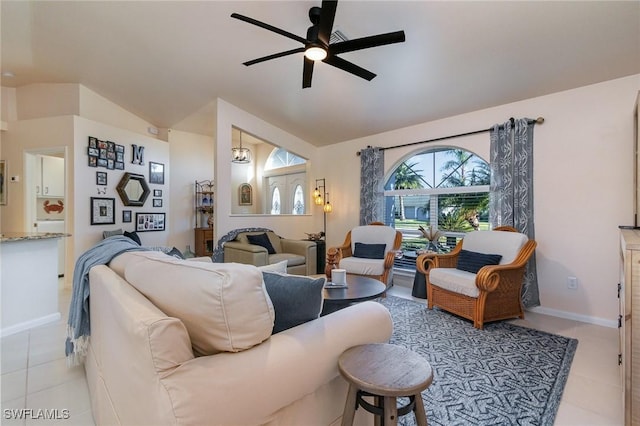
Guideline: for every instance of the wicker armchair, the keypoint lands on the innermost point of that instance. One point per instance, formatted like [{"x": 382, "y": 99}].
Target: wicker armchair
[
  {"x": 494, "y": 292},
  {"x": 375, "y": 233}
]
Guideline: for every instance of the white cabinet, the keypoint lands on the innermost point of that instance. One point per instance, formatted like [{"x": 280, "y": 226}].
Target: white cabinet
[
  {"x": 50, "y": 176},
  {"x": 630, "y": 324}
]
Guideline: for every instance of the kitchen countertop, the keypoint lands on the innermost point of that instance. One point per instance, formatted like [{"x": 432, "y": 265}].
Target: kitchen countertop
[{"x": 7, "y": 237}]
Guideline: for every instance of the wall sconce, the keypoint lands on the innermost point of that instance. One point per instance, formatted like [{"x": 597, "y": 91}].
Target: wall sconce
[
  {"x": 321, "y": 198},
  {"x": 239, "y": 154}
]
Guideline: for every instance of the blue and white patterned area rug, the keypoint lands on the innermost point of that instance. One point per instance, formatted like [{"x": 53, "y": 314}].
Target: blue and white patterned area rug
[{"x": 502, "y": 375}]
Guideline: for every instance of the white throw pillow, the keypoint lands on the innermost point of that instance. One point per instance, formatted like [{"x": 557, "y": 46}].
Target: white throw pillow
[
  {"x": 224, "y": 306},
  {"x": 279, "y": 267}
]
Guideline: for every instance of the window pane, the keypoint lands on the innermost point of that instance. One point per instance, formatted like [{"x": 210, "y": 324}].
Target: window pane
[
  {"x": 275, "y": 201},
  {"x": 298, "y": 200}
]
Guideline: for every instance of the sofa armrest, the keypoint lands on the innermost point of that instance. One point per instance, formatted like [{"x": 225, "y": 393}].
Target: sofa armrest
[
  {"x": 250, "y": 254},
  {"x": 308, "y": 249},
  {"x": 249, "y": 387}
]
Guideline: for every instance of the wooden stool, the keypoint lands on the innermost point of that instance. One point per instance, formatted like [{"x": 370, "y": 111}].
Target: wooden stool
[{"x": 385, "y": 372}]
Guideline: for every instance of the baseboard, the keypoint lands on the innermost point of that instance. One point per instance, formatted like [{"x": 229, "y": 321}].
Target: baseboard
[
  {"x": 26, "y": 325},
  {"x": 573, "y": 316}
]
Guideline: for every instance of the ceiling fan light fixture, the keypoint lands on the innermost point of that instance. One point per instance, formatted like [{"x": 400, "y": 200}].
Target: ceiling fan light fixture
[{"x": 315, "y": 53}]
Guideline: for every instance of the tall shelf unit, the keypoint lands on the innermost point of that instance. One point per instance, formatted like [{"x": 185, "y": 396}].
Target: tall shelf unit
[{"x": 203, "y": 210}]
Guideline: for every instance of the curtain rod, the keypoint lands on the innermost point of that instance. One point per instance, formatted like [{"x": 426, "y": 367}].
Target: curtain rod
[{"x": 538, "y": 120}]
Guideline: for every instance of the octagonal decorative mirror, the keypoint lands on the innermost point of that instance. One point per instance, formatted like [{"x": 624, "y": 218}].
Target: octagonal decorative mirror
[{"x": 133, "y": 189}]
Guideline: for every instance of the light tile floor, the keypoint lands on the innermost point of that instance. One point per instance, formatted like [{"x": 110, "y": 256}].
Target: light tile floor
[{"x": 35, "y": 375}]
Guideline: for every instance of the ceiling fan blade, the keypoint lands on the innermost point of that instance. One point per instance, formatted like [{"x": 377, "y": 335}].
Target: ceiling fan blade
[
  {"x": 367, "y": 42},
  {"x": 327, "y": 15},
  {"x": 269, "y": 27},
  {"x": 307, "y": 72},
  {"x": 274, "y": 56},
  {"x": 349, "y": 67}
]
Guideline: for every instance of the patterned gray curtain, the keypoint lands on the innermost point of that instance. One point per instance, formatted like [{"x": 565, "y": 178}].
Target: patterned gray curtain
[
  {"x": 371, "y": 185},
  {"x": 511, "y": 190}
]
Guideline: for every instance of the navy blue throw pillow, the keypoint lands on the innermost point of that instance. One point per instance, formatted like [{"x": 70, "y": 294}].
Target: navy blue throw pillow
[
  {"x": 369, "y": 251},
  {"x": 176, "y": 253},
  {"x": 263, "y": 241},
  {"x": 471, "y": 261},
  {"x": 296, "y": 299},
  {"x": 134, "y": 236}
]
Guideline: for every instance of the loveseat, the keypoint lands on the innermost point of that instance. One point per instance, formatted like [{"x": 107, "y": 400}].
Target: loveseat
[
  {"x": 197, "y": 348},
  {"x": 260, "y": 248}
]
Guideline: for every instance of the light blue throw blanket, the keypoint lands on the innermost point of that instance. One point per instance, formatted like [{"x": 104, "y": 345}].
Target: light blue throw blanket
[{"x": 78, "y": 326}]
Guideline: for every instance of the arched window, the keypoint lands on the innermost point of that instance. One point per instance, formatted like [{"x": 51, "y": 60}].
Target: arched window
[
  {"x": 444, "y": 190},
  {"x": 275, "y": 201},
  {"x": 282, "y": 158},
  {"x": 298, "y": 200}
]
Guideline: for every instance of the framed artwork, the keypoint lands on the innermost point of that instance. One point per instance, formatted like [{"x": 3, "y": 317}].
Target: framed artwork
[
  {"x": 101, "y": 178},
  {"x": 156, "y": 173},
  {"x": 157, "y": 202},
  {"x": 245, "y": 195},
  {"x": 102, "y": 211},
  {"x": 126, "y": 216},
  {"x": 149, "y": 222},
  {"x": 93, "y": 143},
  {"x": 93, "y": 161},
  {"x": 157, "y": 192},
  {"x": 3, "y": 182}
]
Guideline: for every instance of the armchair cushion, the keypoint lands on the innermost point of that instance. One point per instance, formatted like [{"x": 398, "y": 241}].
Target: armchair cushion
[
  {"x": 452, "y": 279},
  {"x": 262, "y": 240},
  {"x": 359, "y": 266},
  {"x": 296, "y": 299},
  {"x": 507, "y": 244},
  {"x": 369, "y": 251},
  {"x": 472, "y": 261}
]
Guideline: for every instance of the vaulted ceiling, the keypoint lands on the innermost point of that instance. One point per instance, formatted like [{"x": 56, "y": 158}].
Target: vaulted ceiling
[{"x": 167, "y": 61}]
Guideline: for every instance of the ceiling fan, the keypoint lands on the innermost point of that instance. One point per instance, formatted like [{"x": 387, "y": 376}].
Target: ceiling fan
[{"x": 317, "y": 46}]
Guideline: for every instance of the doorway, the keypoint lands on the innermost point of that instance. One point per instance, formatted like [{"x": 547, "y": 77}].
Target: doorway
[{"x": 45, "y": 195}]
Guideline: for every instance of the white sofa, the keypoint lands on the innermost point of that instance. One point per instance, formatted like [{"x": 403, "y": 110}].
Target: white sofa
[{"x": 141, "y": 367}]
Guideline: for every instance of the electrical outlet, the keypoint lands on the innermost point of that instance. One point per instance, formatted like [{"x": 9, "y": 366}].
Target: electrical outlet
[{"x": 572, "y": 283}]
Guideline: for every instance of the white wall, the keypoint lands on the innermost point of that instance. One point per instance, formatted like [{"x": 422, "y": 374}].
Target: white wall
[
  {"x": 191, "y": 160},
  {"x": 583, "y": 184},
  {"x": 85, "y": 234},
  {"x": 228, "y": 115}
]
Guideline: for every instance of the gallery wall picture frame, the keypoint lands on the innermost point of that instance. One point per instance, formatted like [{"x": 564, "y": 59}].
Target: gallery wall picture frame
[
  {"x": 157, "y": 192},
  {"x": 101, "y": 178},
  {"x": 245, "y": 194},
  {"x": 157, "y": 202},
  {"x": 103, "y": 211},
  {"x": 4, "y": 177},
  {"x": 126, "y": 216},
  {"x": 156, "y": 173},
  {"x": 146, "y": 222}
]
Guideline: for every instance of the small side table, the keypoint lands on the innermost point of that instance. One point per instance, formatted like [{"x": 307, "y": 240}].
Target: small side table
[{"x": 385, "y": 372}]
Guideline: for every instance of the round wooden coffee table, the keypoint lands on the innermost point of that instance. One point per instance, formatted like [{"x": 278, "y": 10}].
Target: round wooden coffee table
[{"x": 359, "y": 289}]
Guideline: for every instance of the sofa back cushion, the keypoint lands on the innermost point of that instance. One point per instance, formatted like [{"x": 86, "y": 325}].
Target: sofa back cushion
[
  {"x": 273, "y": 239},
  {"x": 504, "y": 243},
  {"x": 224, "y": 306}
]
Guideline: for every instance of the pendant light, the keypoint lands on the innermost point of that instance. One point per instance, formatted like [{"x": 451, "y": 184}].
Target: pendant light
[{"x": 239, "y": 154}]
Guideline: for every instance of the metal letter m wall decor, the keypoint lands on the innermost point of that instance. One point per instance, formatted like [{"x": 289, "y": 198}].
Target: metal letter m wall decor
[{"x": 137, "y": 154}]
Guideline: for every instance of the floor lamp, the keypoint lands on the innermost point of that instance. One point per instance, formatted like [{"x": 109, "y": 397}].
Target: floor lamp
[{"x": 321, "y": 198}]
